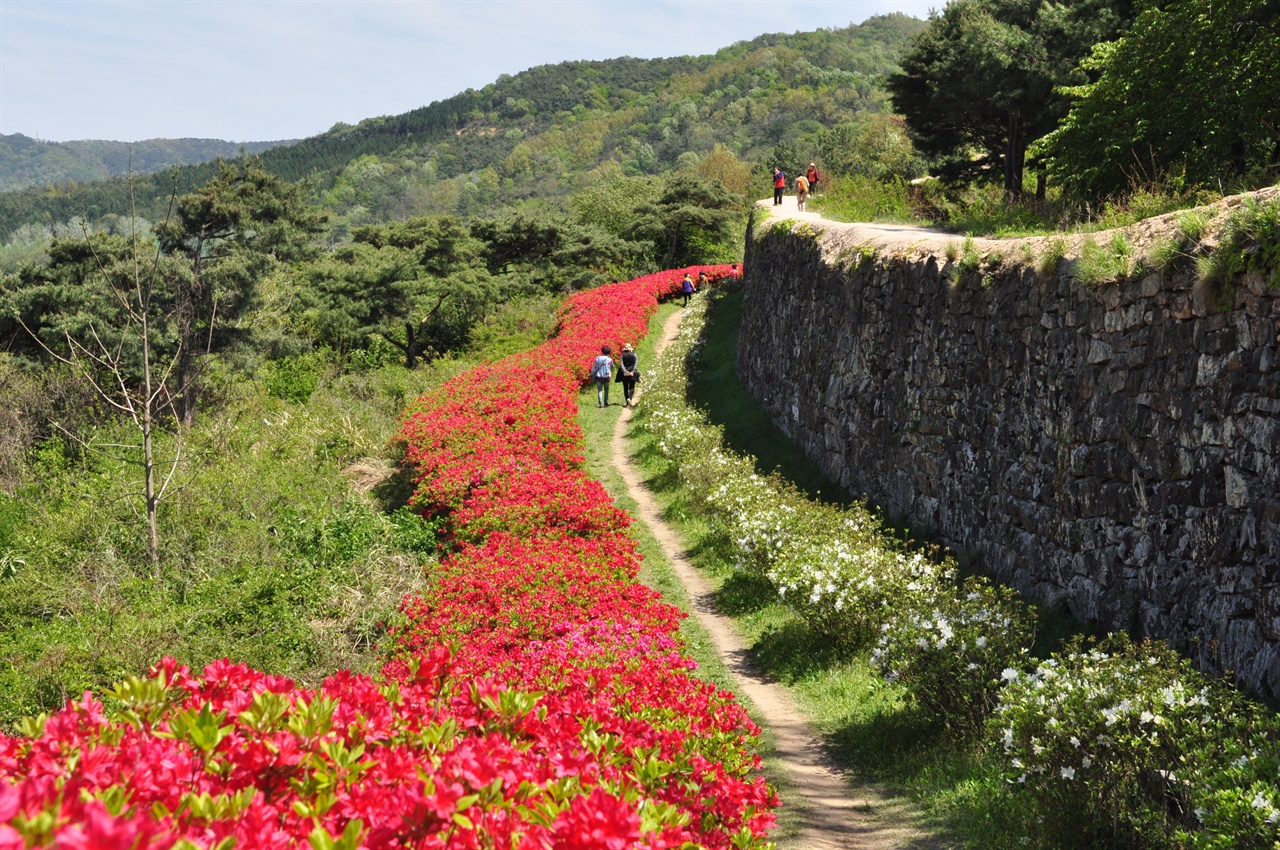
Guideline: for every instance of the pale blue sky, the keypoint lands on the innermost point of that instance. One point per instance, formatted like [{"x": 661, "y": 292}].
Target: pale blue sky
[{"x": 259, "y": 70}]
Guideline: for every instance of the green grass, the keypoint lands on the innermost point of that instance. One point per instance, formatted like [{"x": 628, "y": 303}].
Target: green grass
[
  {"x": 858, "y": 199},
  {"x": 984, "y": 210},
  {"x": 1114, "y": 261},
  {"x": 656, "y": 571},
  {"x": 282, "y": 546},
  {"x": 747, "y": 426},
  {"x": 271, "y": 553},
  {"x": 867, "y": 724}
]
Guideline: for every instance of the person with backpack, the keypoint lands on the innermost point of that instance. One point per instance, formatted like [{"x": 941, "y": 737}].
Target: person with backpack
[
  {"x": 628, "y": 373},
  {"x": 602, "y": 374},
  {"x": 812, "y": 176},
  {"x": 779, "y": 184},
  {"x": 802, "y": 192}
]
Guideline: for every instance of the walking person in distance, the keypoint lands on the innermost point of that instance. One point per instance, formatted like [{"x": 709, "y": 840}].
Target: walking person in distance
[
  {"x": 687, "y": 289},
  {"x": 779, "y": 184},
  {"x": 602, "y": 374},
  {"x": 628, "y": 373}
]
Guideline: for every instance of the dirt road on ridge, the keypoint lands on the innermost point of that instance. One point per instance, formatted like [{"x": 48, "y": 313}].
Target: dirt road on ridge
[{"x": 838, "y": 812}]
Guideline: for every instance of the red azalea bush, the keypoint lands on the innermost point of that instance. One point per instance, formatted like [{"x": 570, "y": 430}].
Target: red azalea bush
[{"x": 537, "y": 697}]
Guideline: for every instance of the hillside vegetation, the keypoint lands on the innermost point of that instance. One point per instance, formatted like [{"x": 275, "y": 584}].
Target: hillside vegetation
[
  {"x": 200, "y": 370},
  {"x": 33, "y": 163},
  {"x": 535, "y": 137}
]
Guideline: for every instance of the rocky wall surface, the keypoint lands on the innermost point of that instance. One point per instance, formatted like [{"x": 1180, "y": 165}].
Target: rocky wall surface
[{"x": 1113, "y": 448}]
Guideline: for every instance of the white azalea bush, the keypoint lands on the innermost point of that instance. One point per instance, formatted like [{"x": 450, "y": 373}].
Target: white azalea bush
[
  {"x": 952, "y": 654},
  {"x": 1236, "y": 786},
  {"x": 834, "y": 566},
  {"x": 1115, "y": 744},
  {"x": 847, "y": 585},
  {"x": 1107, "y": 739}
]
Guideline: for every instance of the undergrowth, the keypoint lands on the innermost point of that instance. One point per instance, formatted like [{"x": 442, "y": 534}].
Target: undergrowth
[
  {"x": 1248, "y": 242},
  {"x": 285, "y": 546},
  {"x": 870, "y": 726}
]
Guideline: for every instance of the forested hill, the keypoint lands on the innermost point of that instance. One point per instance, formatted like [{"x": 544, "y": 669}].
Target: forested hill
[
  {"x": 29, "y": 163},
  {"x": 528, "y": 138}
]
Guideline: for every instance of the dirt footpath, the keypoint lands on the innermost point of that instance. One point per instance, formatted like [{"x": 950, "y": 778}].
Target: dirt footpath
[{"x": 837, "y": 811}]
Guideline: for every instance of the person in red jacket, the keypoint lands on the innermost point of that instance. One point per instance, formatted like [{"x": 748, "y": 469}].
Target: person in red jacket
[
  {"x": 812, "y": 176},
  {"x": 779, "y": 183}
]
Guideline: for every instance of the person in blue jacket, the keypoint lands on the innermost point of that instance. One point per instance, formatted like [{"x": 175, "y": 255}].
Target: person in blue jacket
[{"x": 602, "y": 374}]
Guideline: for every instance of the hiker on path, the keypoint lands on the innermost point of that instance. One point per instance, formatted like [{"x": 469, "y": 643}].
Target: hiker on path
[
  {"x": 779, "y": 184},
  {"x": 628, "y": 373},
  {"x": 602, "y": 374},
  {"x": 802, "y": 191},
  {"x": 812, "y": 176},
  {"x": 687, "y": 289}
]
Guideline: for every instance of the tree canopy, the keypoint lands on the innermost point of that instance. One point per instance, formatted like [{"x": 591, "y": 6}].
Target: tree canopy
[
  {"x": 418, "y": 284},
  {"x": 686, "y": 221},
  {"x": 201, "y": 274},
  {"x": 1190, "y": 94},
  {"x": 981, "y": 82}
]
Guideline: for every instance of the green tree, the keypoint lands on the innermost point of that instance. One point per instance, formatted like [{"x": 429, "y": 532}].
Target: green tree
[
  {"x": 874, "y": 145},
  {"x": 981, "y": 82},
  {"x": 426, "y": 276},
  {"x": 689, "y": 222},
  {"x": 105, "y": 310},
  {"x": 1191, "y": 93},
  {"x": 542, "y": 252},
  {"x": 228, "y": 234},
  {"x": 611, "y": 203}
]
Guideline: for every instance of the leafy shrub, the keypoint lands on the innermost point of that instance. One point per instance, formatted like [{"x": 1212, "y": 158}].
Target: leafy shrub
[
  {"x": 983, "y": 209},
  {"x": 1105, "y": 739},
  {"x": 1237, "y": 800},
  {"x": 1051, "y": 256},
  {"x": 1248, "y": 242},
  {"x": 1104, "y": 263},
  {"x": 847, "y": 585},
  {"x": 1148, "y": 202},
  {"x": 532, "y": 694},
  {"x": 866, "y": 199},
  {"x": 835, "y": 567},
  {"x": 293, "y": 378},
  {"x": 950, "y": 654}
]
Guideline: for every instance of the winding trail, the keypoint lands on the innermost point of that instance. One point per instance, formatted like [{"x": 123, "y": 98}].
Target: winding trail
[{"x": 837, "y": 811}]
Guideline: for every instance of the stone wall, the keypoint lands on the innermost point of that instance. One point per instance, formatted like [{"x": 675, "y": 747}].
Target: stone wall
[{"x": 1113, "y": 448}]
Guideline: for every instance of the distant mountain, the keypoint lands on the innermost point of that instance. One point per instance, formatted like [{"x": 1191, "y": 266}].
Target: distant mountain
[
  {"x": 533, "y": 138},
  {"x": 27, "y": 162}
]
